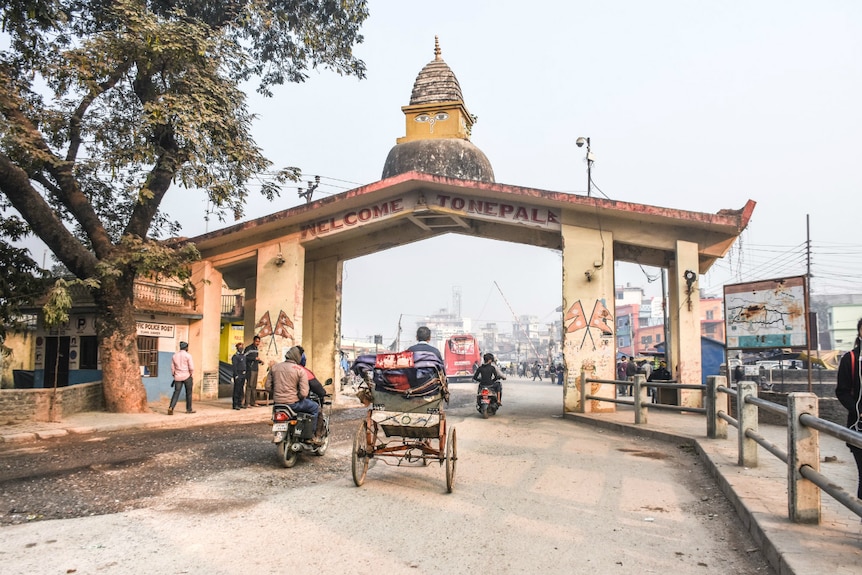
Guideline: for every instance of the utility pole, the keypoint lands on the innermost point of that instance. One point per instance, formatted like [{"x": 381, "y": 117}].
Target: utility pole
[
  {"x": 398, "y": 335},
  {"x": 808, "y": 298},
  {"x": 309, "y": 190}
]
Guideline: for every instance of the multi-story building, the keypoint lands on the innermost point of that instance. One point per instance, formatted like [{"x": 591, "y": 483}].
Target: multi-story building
[
  {"x": 640, "y": 324},
  {"x": 627, "y": 324},
  {"x": 649, "y": 337},
  {"x": 712, "y": 318},
  {"x": 837, "y": 316}
]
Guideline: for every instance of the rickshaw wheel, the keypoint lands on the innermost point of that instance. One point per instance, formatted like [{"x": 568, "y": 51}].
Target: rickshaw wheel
[
  {"x": 359, "y": 465},
  {"x": 451, "y": 460}
]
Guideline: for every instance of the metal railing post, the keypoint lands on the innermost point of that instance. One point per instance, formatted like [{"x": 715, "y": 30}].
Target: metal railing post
[
  {"x": 582, "y": 386},
  {"x": 746, "y": 415},
  {"x": 710, "y": 403},
  {"x": 639, "y": 394},
  {"x": 803, "y": 448},
  {"x": 721, "y": 405}
]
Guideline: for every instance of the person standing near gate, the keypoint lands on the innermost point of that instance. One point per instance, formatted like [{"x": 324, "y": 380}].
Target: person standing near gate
[
  {"x": 183, "y": 369},
  {"x": 252, "y": 363},
  {"x": 849, "y": 393},
  {"x": 238, "y": 363}
]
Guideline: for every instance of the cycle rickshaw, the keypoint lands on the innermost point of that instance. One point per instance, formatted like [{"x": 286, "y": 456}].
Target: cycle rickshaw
[{"x": 405, "y": 393}]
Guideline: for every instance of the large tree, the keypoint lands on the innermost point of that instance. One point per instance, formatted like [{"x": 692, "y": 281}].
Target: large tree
[{"x": 104, "y": 105}]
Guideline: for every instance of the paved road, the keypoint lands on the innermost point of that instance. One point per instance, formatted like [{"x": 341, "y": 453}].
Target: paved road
[{"x": 533, "y": 494}]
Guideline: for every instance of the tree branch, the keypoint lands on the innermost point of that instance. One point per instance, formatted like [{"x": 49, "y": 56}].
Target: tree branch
[
  {"x": 78, "y": 116},
  {"x": 15, "y": 185},
  {"x": 158, "y": 182},
  {"x": 67, "y": 190}
]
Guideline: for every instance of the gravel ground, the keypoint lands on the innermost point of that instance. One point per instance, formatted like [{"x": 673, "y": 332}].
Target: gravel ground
[
  {"x": 79, "y": 476},
  {"x": 546, "y": 496}
]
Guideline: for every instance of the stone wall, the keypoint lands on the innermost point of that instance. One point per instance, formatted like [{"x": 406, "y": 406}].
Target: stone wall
[{"x": 22, "y": 405}]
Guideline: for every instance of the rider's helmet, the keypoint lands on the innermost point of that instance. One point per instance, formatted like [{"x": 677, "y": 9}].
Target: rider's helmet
[{"x": 488, "y": 357}]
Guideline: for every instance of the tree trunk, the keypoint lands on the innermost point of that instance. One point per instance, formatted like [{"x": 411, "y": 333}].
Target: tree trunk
[{"x": 117, "y": 330}]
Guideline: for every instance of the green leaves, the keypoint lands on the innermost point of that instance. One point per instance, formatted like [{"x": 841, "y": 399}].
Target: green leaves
[
  {"x": 144, "y": 95},
  {"x": 106, "y": 106},
  {"x": 56, "y": 309}
]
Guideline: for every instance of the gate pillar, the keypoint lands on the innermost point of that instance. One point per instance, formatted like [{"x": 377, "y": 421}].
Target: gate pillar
[
  {"x": 684, "y": 316},
  {"x": 322, "y": 319},
  {"x": 204, "y": 333},
  {"x": 274, "y": 309},
  {"x": 588, "y": 320}
]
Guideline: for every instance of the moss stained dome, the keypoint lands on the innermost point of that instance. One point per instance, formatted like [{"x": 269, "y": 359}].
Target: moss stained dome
[{"x": 438, "y": 129}]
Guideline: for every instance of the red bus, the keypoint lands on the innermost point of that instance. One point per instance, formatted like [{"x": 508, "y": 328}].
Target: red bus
[{"x": 461, "y": 357}]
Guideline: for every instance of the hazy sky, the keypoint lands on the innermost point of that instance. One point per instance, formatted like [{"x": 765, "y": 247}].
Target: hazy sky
[{"x": 691, "y": 105}]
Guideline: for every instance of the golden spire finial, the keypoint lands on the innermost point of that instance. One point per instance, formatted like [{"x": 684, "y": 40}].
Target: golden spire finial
[{"x": 437, "y": 48}]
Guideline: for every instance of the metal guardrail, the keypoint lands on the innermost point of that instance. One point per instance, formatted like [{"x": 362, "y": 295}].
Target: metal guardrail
[
  {"x": 640, "y": 397},
  {"x": 802, "y": 455}
]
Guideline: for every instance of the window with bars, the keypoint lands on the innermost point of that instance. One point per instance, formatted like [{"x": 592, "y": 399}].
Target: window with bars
[{"x": 148, "y": 355}]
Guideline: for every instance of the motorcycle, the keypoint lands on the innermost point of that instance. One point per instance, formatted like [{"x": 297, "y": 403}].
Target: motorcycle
[
  {"x": 293, "y": 431},
  {"x": 486, "y": 400}
]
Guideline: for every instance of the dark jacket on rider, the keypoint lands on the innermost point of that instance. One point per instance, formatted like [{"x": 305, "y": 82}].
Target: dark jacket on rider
[{"x": 487, "y": 373}]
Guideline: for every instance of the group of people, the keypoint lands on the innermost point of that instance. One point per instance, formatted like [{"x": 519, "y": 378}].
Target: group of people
[
  {"x": 628, "y": 367},
  {"x": 290, "y": 382},
  {"x": 626, "y": 370},
  {"x": 246, "y": 364}
]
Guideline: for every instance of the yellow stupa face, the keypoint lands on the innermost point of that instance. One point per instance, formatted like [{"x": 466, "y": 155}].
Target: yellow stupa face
[{"x": 437, "y": 120}]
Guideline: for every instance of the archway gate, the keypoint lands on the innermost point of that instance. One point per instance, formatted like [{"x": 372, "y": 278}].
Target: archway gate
[{"x": 290, "y": 263}]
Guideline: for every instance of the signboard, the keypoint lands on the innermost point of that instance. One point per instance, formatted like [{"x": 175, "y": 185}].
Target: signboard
[
  {"x": 155, "y": 329},
  {"x": 425, "y": 202},
  {"x": 766, "y": 314}
]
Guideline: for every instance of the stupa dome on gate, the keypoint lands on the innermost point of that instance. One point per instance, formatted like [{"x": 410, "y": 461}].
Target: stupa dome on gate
[{"x": 438, "y": 128}]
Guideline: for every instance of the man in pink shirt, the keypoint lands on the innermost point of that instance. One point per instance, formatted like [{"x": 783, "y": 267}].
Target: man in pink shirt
[{"x": 182, "y": 368}]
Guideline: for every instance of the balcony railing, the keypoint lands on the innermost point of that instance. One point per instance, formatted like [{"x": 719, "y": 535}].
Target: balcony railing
[
  {"x": 232, "y": 305},
  {"x": 161, "y": 297}
]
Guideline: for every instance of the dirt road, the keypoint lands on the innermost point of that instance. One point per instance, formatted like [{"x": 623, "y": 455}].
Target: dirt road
[{"x": 533, "y": 494}]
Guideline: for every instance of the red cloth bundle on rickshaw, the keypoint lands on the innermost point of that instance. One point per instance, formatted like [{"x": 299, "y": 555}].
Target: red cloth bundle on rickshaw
[{"x": 421, "y": 378}]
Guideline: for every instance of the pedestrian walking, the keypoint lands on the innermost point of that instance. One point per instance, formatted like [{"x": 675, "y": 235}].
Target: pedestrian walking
[
  {"x": 238, "y": 363},
  {"x": 183, "y": 370},
  {"x": 537, "y": 371}
]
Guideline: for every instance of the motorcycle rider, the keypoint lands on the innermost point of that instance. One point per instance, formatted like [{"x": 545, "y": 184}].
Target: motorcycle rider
[
  {"x": 287, "y": 383},
  {"x": 488, "y": 374},
  {"x": 316, "y": 387}
]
